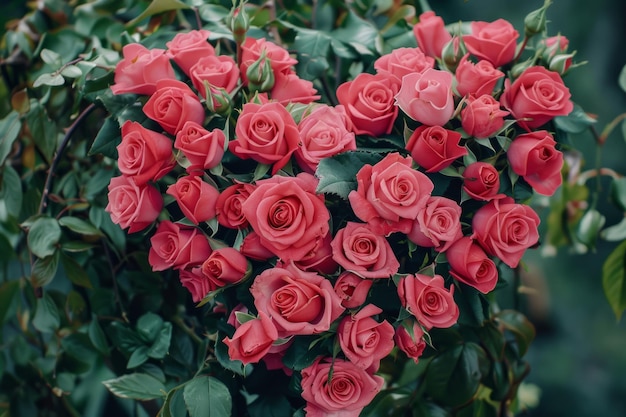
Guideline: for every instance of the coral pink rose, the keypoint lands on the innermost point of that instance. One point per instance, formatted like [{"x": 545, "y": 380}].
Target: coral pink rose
[
  {"x": 178, "y": 247},
  {"x": 364, "y": 340},
  {"x": 434, "y": 147},
  {"x": 279, "y": 58},
  {"x": 140, "y": 69},
  {"x": 186, "y": 49},
  {"x": 404, "y": 61},
  {"x": 390, "y": 194},
  {"x": 172, "y": 105},
  {"x": 252, "y": 340},
  {"x": 219, "y": 71},
  {"x": 289, "y": 88},
  {"x": 337, "y": 388},
  {"x": 493, "y": 41},
  {"x": 319, "y": 259},
  {"x": 288, "y": 215},
  {"x": 253, "y": 248},
  {"x": 229, "y": 205},
  {"x": 482, "y": 117},
  {"x": 298, "y": 302},
  {"x": 133, "y": 206},
  {"x": 225, "y": 266},
  {"x": 431, "y": 34},
  {"x": 409, "y": 338},
  {"x": 265, "y": 133},
  {"x": 536, "y": 97},
  {"x": 555, "y": 53},
  {"x": 427, "y": 97},
  {"x": 352, "y": 289},
  {"x": 506, "y": 229},
  {"x": 471, "y": 265},
  {"x": 196, "y": 283},
  {"x": 535, "y": 157},
  {"x": 476, "y": 79},
  {"x": 358, "y": 249},
  {"x": 323, "y": 133},
  {"x": 437, "y": 225},
  {"x": 195, "y": 198},
  {"x": 428, "y": 300},
  {"x": 481, "y": 181},
  {"x": 143, "y": 154},
  {"x": 368, "y": 100},
  {"x": 203, "y": 149}
]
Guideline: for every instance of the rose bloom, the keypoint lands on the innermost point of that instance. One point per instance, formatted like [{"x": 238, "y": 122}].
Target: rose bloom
[
  {"x": 220, "y": 71},
  {"x": 289, "y": 88},
  {"x": 323, "y": 133},
  {"x": 337, "y": 388},
  {"x": 434, "y": 147},
  {"x": 428, "y": 300},
  {"x": 364, "y": 340},
  {"x": 481, "y": 181},
  {"x": 140, "y": 69},
  {"x": 195, "y": 198},
  {"x": 482, "y": 117},
  {"x": 427, "y": 97},
  {"x": 177, "y": 246},
  {"x": 506, "y": 229},
  {"x": 319, "y": 259},
  {"x": 172, "y": 105},
  {"x": 196, "y": 283},
  {"x": 265, "y": 133},
  {"x": 412, "y": 344},
  {"x": 133, "y": 206},
  {"x": 279, "y": 58},
  {"x": 203, "y": 149},
  {"x": 253, "y": 248},
  {"x": 536, "y": 97},
  {"x": 493, "y": 41},
  {"x": 298, "y": 302},
  {"x": 352, "y": 289},
  {"x": 186, "y": 49},
  {"x": 229, "y": 205},
  {"x": 404, "y": 61},
  {"x": 534, "y": 156},
  {"x": 390, "y": 194},
  {"x": 437, "y": 225},
  {"x": 471, "y": 265},
  {"x": 368, "y": 100},
  {"x": 476, "y": 79},
  {"x": 431, "y": 34},
  {"x": 225, "y": 266},
  {"x": 252, "y": 340},
  {"x": 358, "y": 249},
  {"x": 288, "y": 215},
  {"x": 143, "y": 154}
]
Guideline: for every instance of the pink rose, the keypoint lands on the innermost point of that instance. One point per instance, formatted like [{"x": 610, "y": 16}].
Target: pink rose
[
  {"x": 225, "y": 266},
  {"x": 219, "y": 71},
  {"x": 252, "y": 340},
  {"x": 493, "y": 41},
  {"x": 427, "y": 97},
  {"x": 229, "y": 205},
  {"x": 337, "y": 388},
  {"x": 471, "y": 265},
  {"x": 534, "y": 156},
  {"x": 178, "y": 247},
  {"x": 279, "y": 58},
  {"x": 358, "y": 249},
  {"x": 172, "y": 105},
  {"x": 288, "y": 215},
  {"x": 555, "y": 53},
  {"x": 409, "y": 338},
  {"x": 319, "y": 259},
  {"x": 133, "y": 206},
  {"x": 352, "y": 289},
  {"x": 390, "y": 194},
  {"x": 476, "y": 79},
  {"x": 265, "y": 133},
  {"x": 323, "y": 133},
  {"x": 364, "y": 340},
  {"x": 403, "y": 61},
  {"x": 289, "y": 88},
  {"x": 143, "y": 154},
  {"x": 140, "y": 69},
  {"x": 196, "y": 283},
  {"x": 431, "y": 34},
  {"x": 368, "y": 100},
  {"x": 482, "y": 117},
  {"x": 203, "y": 149},
  {"x": 298, "y": 302},
  {"x": 428, "y": 300},
  {"x": 195, "y": 198},
  {"x": 186, "y": 49},
  {"x": 434, "y": 147},
  {"x": 481, "y": 181},
  {"x": 506, "y": 229},
  {"x": 437, "y": 225},
  {"x": 252, "y": 248},
  {"x": 536, "y": 97}
]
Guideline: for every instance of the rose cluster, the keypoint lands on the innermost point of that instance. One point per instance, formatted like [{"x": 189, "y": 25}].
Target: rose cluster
[{"x": 228, "y": 167}]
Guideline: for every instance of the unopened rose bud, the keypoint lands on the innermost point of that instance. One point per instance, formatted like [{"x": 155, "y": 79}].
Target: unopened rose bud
[
  {"x": 561, "y": 63},
  {"x": 260, "y": 75},
  {"x": 217, "y": 100},
  {"x": 535, "y": 21},
  {"x": 239, "y": 23},
  {"x": 518, "y": 69},
  {"x": 452, "y": 53}
]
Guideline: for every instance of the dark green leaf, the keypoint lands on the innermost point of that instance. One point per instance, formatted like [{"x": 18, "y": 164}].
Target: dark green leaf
[
  {"x": 76, "y": 246},
  {"x": 47, "y": 318},
  {"x": 148, "y": 327},
  {"x": 42, "y": 129},
  {"x": 43, "y": 236},
  {"x": 138, "y": 357},
  {"x": 159, "y": 348},
  {"x": 107, "y": 139},
  {"x": 614, "y": 279},
  {"x": 156, "y": 7},
  {"x": 10, "y": 127},
  {"x": 389, "y": 404},
  {"x": 576, "y": 122},
  {"x": 174, "y": 405},
  {"x": 312, "y": 47},
  {"x": 206, "y": 396},
  {"x": 75, "y": 272},
  {"x": 11, "y": 195},
  {"x": 45, "y": 269},
  {"x": 77, "y": 345},
  {"x": 97, "y": 336},
  {"x": 221, "y": 353},
  {"x": 358, "y": 33},
  {"x": 478, "y": 408},
  {"x": 9, "y": 292},
  {"x": 337, "y": 174},
  {"x": 124, "y": 338},
  {"x": 80, "y": 226},
  {"x": 520, "y": 326},
  {"x": 270, "y": 406},
  {"x": 136, "y": 386},
  {"x": 429, "y": 409}
]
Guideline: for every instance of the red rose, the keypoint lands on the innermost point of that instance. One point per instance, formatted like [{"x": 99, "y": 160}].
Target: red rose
[
  {"x": 178, "y": 247},
  {"x": 471, "y": 265},
  {"x": 409, "y": 337},
  {"x": 133, "y": 206},
  {"x": 220, "y": 71},
  {"x": 140, "y": 69},
  {"x": 431, "y": 34},
  {"x": 225, "y": 266},
  {"x": 534, "y": 156},
  {"x": 144, "y": 155},
  {"x": 427, "y": 97},
  {"x": 279, "y": 58},
  {"x": 289, "y": 88},
  {"x": 494, "y": 41},
  {"x": 195, "y": 198},
  {"x": 481, "y": 181},
  {"x": 506, "y": 229},
  {"x": 476, "y": 79},
  {"x": 229, "y": 205},
  {"x": 482, "y": 117},
  {"x": 186, "y": 49},
  {"x": 403, "y": 61},
  {"x": 437, "y": 225},
  {"x": 536, "y": 97},
  {"x": 352, "y": 289},
  {"x": 252, "y": 340},
  {"x": 196, "y": 283},
  {"x": 203, "y": 149},
  {"x": 172, "y": 105},
  {"x": 434, "y": 147},
  {"x": 428, "y": 300}
]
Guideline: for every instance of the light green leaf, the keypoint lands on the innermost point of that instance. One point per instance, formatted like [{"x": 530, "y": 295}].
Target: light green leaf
[
  {"x": 11, "y": 195},
  {"x": 71, "y": 71},
  {"x": 47, "y": 318},
  {"x": 50, "y": 57},
  {"x": 43, "y": 236},
  {"x": 358, "y": 33},
  {"x": 589, "y": 227},
  {"x": 80, "y": 226},
  {"x": 622, "y": 78},
  {"x": 575, "y": 122},
  {"x": 52, "y": 79},
  {"x": 615, "y": 233},
  {"x": 137, "y": 386},
  {"x": 618, "y": 193},
  {"x": 156, "y": 7},
  {"x": 10, "y": 127},
  {"x": 337, "y": 174},
  {"x": 614, "y": 279},
  {"x": 206, "y": 396}
]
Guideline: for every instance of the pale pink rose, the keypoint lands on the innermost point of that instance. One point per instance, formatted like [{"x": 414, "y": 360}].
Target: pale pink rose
[
  {"x": 352, "y": 289},
  {"x": 203, "y": 149},
  {"x": 195, "y": 198},
  {"x": 172, "y": 105},
  {"x": 481, "y": 181},
  {"x": 493, "y": 41},
  {"x": 225, "y": 266},
  {"x": 289, "y": 88},
  {"x": 186, "y": 49},
  {"x": 428, "y": 300},
  {"x": 427, "y": 97},
  {"x": 434, "y": 147},
  {"x": 471, "y": 265},
  {"x": 482, "y": 117},
  {"x": 140, "y": 69},
  {"x": 229, "y": 205},
  {"x": 133, "y": 206},
  {"x": 437, "y": 225},
  {"x": 403, "y": 61},
  {"x": 409, "y": 338},
  {"x": 196, "y": 283},
  {"x": 476, "y": 79},
  {"x": 178, "y": 247},
  {"x": 219, "y": 71},
  {"x": 252, "y": 340},
  {"x": 431, "y": 34},
  {"x": 279, "y": 58}
]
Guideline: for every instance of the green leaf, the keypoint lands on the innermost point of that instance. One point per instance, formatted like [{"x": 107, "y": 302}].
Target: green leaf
[
  {"x": 174, "y": 405},
  {"x": 270, "y": 406},
  {"x": 75, "y": 272},
  {"x": 50, "y": 57},
  {"x": 312, "y": 47},
  {"x": 76, "y": 246},
  {"x": 429, "y": 409},
  {"x": 11, "y": 196},
  {"x": 520, "y": 326},
  {"x": 107, "y": 139},
  {"x": 576, "y": 122},
  {"x": 337, "y": 175},
  {"x": 221, "y": 353},
  {"x": 614, "y": 279},
  {"x": 206, "y": 396},
  {"x": 8, "y": 296},
  {"x": 156, "y": 7},
  {"x": 148, "y": 326},
  {"x": 42, "y": 129},
  {"x": 10, "y": 127},
  {"x": 52, "y": 79},
  {"x": 160, "y": 347},
  {"x": 358, "y": 33},
  {"x": 44, "y": 269},
  {"x": 589, "y": 227},
  {"x": 71, "y": 71},
  {"x": 47, "y": 318},
  {"x": 80, "y": 226},
  {"x": 137, "y": 386},
  {"x": 124, "y": 338},
  {"x": 97, "y": 337},
  {"x": 478, "y": 408},
  {"x": 622, "y": 78},
  {"x": 615, "y": 233},
  {"x": 138, "y": 357},
  {"x": 618, "y": 192},
  {"x": 43, "y": 236}
]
